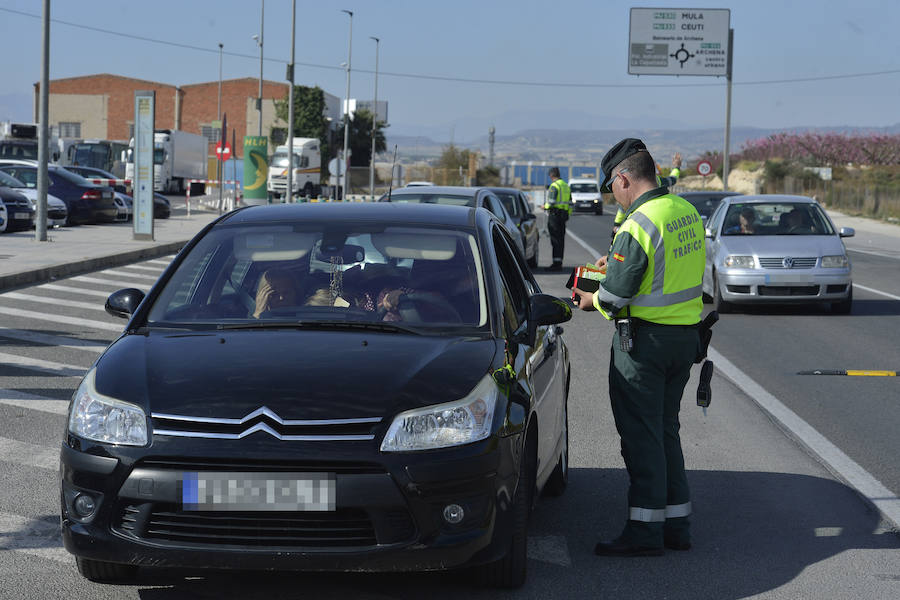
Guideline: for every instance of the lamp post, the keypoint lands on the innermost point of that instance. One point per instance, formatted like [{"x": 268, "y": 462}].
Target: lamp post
[
  {"x": 374, "y": 122},
  {"x": 347, "y": 110},
  {"x": 289, "y": 191},
  {"x": 259, "y": 42},
  {"x": 222, "y": 135}
]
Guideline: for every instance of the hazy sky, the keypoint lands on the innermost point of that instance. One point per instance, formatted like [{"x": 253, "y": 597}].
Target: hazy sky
[{"x": 521, "y": 41}]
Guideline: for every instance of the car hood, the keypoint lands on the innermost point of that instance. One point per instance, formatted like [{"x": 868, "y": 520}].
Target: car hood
[
  {"x": 783, "y": 245},
  {"x": 297, "y": 374},
  {"x": 32, "y": 195}
]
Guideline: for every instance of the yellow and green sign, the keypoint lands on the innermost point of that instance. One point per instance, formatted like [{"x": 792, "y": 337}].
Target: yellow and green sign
[{"x": 256, "y": 168}]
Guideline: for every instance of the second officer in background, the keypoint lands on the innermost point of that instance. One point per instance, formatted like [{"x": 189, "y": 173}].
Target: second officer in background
[{"x": 559, "y": 209}]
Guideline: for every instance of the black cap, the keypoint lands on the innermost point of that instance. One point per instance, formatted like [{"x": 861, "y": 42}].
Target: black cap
[{"x": 617, "y": 154}]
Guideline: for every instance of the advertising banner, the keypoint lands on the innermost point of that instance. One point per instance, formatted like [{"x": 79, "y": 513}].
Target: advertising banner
[
  {"x": 256, "y": 169},
  {"x": 144, "y": 115}
]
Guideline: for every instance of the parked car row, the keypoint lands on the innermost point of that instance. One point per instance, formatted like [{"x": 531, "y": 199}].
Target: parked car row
[{"x": 71, "y": 198}]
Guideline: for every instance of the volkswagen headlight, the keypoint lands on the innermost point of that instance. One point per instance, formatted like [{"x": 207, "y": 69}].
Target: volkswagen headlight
[
  {"x": 740, "y": 262},
  {"x": 103, "y": 419},
  {"x": 444, "y": 425},
  {"x": 839, "y": 261}
]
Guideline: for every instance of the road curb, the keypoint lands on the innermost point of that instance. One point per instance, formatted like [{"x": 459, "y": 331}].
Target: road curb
[{"x": 58, "y": 271}]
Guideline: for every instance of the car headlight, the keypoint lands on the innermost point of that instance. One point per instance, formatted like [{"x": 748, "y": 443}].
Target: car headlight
[
  {"x": 443, "y": 425},
  {"x": 839, "y": 261},
  {"x": 743, "y": 262},
  {"x": 103, "y": 419}
]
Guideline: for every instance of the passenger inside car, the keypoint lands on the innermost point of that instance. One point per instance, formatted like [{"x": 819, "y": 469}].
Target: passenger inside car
[
  {"x": 796, "y": 221},
  {"x": 746, "y": 222},
  {"x": 277, "y": 288}
]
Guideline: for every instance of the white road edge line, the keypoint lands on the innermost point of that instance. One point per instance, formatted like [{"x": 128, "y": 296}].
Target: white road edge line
[
  {"x": 833, "y": 457},
  {"x": 874, "y": 291},
  {"x": 839, "y": 463}
]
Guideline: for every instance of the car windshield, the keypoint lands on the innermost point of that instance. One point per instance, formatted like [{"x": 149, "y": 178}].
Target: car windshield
[
  {"x": 433, "y": 198},
  {"x": 349, "y": 275},
  {"x": 280, "y": 159},
  {"x": 584, "y": 188},
  {"x": 19, "y": 150},
  {"x": 159, "y": 156},
  {"x": 776, "y": 218},
  {"x": 8, "y": 180}
]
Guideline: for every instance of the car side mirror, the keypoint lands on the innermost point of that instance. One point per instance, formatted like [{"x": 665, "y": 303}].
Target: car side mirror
[
  {"x": 123, "y": 303},
  {"x": 710, "y": 233},
  {"x": 847, "y": 232}
]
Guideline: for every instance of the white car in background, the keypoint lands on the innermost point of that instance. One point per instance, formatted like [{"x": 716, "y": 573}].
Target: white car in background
[
  {"x": 57, "y": 213},
  {"x": 586, "y": 195}
]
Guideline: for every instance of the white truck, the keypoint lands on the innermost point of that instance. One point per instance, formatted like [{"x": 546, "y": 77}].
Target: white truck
[
  {"x": 20, "y": 141},
  {"x": 178, "y": 156},
  {"x": 306, "y": 176}
]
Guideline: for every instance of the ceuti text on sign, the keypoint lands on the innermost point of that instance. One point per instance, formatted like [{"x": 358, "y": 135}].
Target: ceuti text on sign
[{"x": 679, "y": 41}]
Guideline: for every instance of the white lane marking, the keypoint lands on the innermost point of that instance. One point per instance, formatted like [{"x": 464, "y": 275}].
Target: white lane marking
[
  {"x": 552, "y": 549},
  {"x": 32, "y": 536},
  {"x": 71, "y": 289},
  {"x": 849, "y": 470},
  {"x": 58, "y": 341},
  {"x": 109, "y": 282},
  {"x": 156, "y": 270},
  {"x": 873, "y": 253},
  {"x": 61, "y": 320},
  {"x": 874, "y": 291},
  {"x": 584, "y": 244},
  {"x": 30, "y": 455},
  {"x": 54, "y": 407},
  {"x": 123, "y": 273},
  {"x": 864, "y": 482},
  {"x": 55, "y": 301},
  {"x": 43, "y": 366},
  {"x": 159, "y": 261}
]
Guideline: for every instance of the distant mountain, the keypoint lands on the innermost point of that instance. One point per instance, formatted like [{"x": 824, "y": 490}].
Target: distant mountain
[{"x": 589, "y": 145}]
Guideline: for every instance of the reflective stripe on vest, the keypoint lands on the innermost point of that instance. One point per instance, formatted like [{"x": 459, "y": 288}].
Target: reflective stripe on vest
[{"x": 686, "y": 251}]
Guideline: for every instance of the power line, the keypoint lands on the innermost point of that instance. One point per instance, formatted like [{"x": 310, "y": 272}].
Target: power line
[{"x": 462, "y": 79}]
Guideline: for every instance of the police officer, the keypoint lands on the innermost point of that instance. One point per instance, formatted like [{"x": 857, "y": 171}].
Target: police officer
[
  {"x": 669, "y": 181},
  {"x": 652, "y": 288},
  {"x": 559, "y": 209}
]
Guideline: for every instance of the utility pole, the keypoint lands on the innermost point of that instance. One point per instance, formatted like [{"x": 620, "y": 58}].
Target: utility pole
[
  {"x": 259, "y": 100},
  {"x": 219, "y": 171},
  {"x": 491, "y": 132},
  {"x": 374, "y": 124},
  {"x": 726, "y": 164},
  {"x": 289, "y": 191},
  {"x": 347, "y": 111},
  {"x": 40, "y": 225}
]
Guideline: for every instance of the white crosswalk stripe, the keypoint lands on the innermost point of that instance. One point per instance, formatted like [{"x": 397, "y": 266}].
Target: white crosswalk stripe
[
  {"x": 43, "y": 366},
  {"x": 58, "y": 341},
  {"x": 62, "y": 320},
  {"x": 30, "y": 455},
  {"x": 110, "y": 282},
  {"x": 124, "y": 273},
  {"x": 56, "y": 301},
  {"x": 33, "y": 402},
  {"x": 156, "y": 270},
  {"x": 71, "y": 289}
]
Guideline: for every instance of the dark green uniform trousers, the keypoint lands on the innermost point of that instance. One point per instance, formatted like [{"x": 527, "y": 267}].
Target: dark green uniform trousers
[
  {"x": 645, "y": 388},
  {"x": 556, "y": 227}
]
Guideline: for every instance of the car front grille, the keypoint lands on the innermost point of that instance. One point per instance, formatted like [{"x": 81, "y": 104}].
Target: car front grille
[
  {"x": 782, "y": 262},
  {"x": 167, "y": 523},
  {"x": 788, "y": 290},
  {"x": 262, "y": 466}
]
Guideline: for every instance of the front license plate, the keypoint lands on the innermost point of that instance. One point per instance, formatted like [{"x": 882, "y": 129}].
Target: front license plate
[
  {"x": 21, "y": 216},
  {"x": 258, "y": 491},
  {"x": 789, "y": 278}
]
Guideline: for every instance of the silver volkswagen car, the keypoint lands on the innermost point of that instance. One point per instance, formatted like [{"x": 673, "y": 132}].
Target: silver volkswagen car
[{"x": 775, "y": 249}]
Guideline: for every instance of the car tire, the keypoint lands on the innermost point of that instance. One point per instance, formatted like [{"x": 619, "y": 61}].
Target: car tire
[
  {"x": 510, "y": 571},
  {"x": 559, "y": 478},
  {"x": 598, "y": 210},
  {"x": 100, "y": 571},
  {"x": 844, "y": 306},
  {"x": 720, "y": 305}
]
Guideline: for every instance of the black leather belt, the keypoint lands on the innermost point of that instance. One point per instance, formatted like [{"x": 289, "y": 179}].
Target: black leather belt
[{"x": 643, "y": 323}]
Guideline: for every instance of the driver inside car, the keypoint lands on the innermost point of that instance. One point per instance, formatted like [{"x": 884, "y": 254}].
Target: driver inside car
[{"x": 277, "y": 288}]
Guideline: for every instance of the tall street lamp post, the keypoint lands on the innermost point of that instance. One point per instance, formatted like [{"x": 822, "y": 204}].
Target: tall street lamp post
[
  {"x": 374, "y": 122},
  {"x": 289, "y": 191},
  {"x": 259, "y": 42},
  {"x": 223, "y": 134},
  {"x": 347, "y": 110}
]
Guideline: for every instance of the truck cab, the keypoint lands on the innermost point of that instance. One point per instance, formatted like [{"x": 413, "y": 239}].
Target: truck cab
[{"x": 306, "y": 175}]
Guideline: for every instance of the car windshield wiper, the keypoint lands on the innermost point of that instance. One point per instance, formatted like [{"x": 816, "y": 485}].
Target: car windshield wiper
[{"x": 371, "y": 326}]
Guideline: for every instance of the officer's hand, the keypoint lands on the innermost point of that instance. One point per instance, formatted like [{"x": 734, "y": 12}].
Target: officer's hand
[
  {"x": 585, "y": 299},
  {"x": 676, "y": 160},
  {"x": 601, "y": 262}
]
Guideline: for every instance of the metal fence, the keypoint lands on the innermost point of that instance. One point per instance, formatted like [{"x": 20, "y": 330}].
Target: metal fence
[{"x": 855, "y": 197}]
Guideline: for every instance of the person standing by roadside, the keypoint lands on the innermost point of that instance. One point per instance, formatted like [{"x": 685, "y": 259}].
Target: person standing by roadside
[
  {"x": 653, "y": 291},
  {"x": 559, "y": 209},
  {"x": 668, "y": 181}
]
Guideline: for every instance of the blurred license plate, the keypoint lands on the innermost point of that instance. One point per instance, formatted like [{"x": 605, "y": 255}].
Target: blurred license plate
[
  {"x": 789, "y": 278},
  {"x": 258, "y": 491},
  {"x": 21, "y": 216}
]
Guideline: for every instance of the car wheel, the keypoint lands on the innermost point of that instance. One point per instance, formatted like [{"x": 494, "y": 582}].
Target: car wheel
[
  {"x": 510, "y": 571},
  {"x": 559, "y": 479},
  {"x": 99, "y": 571},
  {"x": 598, "y": 210},
  {"x": 844, "y": 306},
  {"x": 720, "y": 305}
]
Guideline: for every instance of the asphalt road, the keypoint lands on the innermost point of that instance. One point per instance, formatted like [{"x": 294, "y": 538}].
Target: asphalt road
[{"x": 770, "y": 521}]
